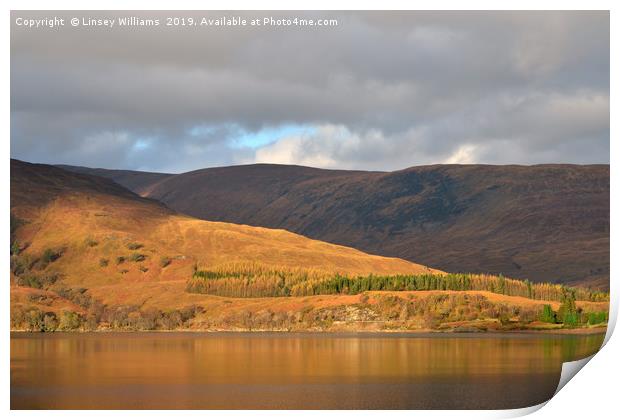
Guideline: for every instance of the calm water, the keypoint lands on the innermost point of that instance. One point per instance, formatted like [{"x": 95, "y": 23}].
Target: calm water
[{"x": 264, "y": 370}]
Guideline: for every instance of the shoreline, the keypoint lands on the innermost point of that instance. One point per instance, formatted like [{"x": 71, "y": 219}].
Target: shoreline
[{"x": 429, "y": 333}]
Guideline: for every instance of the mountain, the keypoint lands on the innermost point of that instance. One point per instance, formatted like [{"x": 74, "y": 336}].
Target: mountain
[
  {"x": 63, "y": 209},
  {"x": 89, "y": 232},
  {"x": 136, "y": 181},
  {"x": 541, "y": 222},
  {"x": 88, "y": 254}
]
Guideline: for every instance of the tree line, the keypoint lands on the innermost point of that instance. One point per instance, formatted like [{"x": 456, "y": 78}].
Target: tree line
[
  {"x": 98, "y": 316},
  {"x": 259, "y": 281},
  {"x": 569, "y": 315}
]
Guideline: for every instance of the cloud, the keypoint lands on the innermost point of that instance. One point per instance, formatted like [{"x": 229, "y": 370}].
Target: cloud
[
  {"x": 465, "y": 154},
  {"x": 325, "y": 147},
  {"x": 382, "y": 90}
]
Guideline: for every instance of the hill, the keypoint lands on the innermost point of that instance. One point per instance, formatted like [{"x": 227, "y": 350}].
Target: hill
[
  {"x": 75, "y": 233},
  {"x": 136, "y": 181},
  {"x": 88, "y": 254},
  {"x": 542, "y": 222},
  {"x": 67, "y": 210}
]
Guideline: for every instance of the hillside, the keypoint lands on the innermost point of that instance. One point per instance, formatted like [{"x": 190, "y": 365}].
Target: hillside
[
  {"x": 542, "y": 222},
  {"x": 136, "y": 181},
  {"x": 78, "y": 232},
  {"x": 88, "y": 254},
  {"x": 62, "y": 209}
]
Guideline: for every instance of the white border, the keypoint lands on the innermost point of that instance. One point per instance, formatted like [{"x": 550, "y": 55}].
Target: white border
[
  {"x": 591, "y": 395},
  {"x": 309, "y": 5}
]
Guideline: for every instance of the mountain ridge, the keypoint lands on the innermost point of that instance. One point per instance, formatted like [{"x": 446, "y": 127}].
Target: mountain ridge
[
  {"x": 87, "y": 254},
  {"x": 525, "y": 221}
]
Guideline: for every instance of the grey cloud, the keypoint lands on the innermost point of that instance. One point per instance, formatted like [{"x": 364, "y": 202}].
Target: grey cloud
[{"x": 385, "y": 90}]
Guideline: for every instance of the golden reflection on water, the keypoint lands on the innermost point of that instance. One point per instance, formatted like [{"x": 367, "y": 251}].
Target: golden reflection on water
[{"x": 262, "y": 370}]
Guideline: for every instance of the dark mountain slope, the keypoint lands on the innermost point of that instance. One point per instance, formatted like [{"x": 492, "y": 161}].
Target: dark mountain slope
[
  {"x": 136, "y": 181},
  {"x": 33, "y": 186},
  {"x": 543, "y": 222},
  {"x": 245, "y": 193}
]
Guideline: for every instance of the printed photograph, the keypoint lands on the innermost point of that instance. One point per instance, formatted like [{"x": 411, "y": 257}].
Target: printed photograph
[{"x": 306, "y": 209}]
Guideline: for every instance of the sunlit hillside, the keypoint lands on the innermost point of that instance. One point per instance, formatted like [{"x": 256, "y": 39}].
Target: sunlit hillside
[
  {"x": 528, "y": 222},
  {"x": 87, "y": 253}
]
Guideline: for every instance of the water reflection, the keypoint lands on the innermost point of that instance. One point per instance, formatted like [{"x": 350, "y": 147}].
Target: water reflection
[{"x": 187, "y": 370}]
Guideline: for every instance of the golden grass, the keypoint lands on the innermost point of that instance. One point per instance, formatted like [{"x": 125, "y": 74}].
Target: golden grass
[
  {"x": 95, "y": 227},
  {"x": 503, "y": 299},
  {"x": 45, "y": 300},
  {"x": 74, "y": 222},
  {"x": 165, "y": 295}
]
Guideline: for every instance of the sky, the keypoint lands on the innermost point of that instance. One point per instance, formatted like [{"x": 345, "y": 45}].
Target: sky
[{"x": 378, "y": 91}]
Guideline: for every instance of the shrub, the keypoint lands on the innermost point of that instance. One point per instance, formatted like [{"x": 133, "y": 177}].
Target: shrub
[
  {"x": 597, "y": 318},
  {"x": 50, "y": 322},
  {"x": 96, "y": 309},
  {"x": 29, "y": 280},
  {"x": 547, "y": 315},
  {"x": 90, "y": 323},
  {"x": 170, "y": 320},
  {"x": 90, "y": 242},
  {"x": 77, "y": 295},
  {"x": 103, "y": 262},
  {"x": 37, "y": 281},
  {"x": 527, "y": 315},
  {"x": 567, "y": 312},
  {"x": 118, "y": 317},
  {"x": 134, "y": 246},
  {"x": 20, "y": 264},
  {"x": 164, "y": 262},
  {"x": 570, "y": 319},
  {"x": 190, "y": 312},
  {"x": 120, "y": 260},
  {"x": 504, "y": 316},
  {"x": 17, "y": 316},
  {"x": 34, "y": 319},
  {"x": 136, "y": 257},
  {"x": 149, "y": 318},
  {"x": 69, "y": 321},
  {"x": 49, "y": 256},
  {"x": 431, "y": 321}
]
